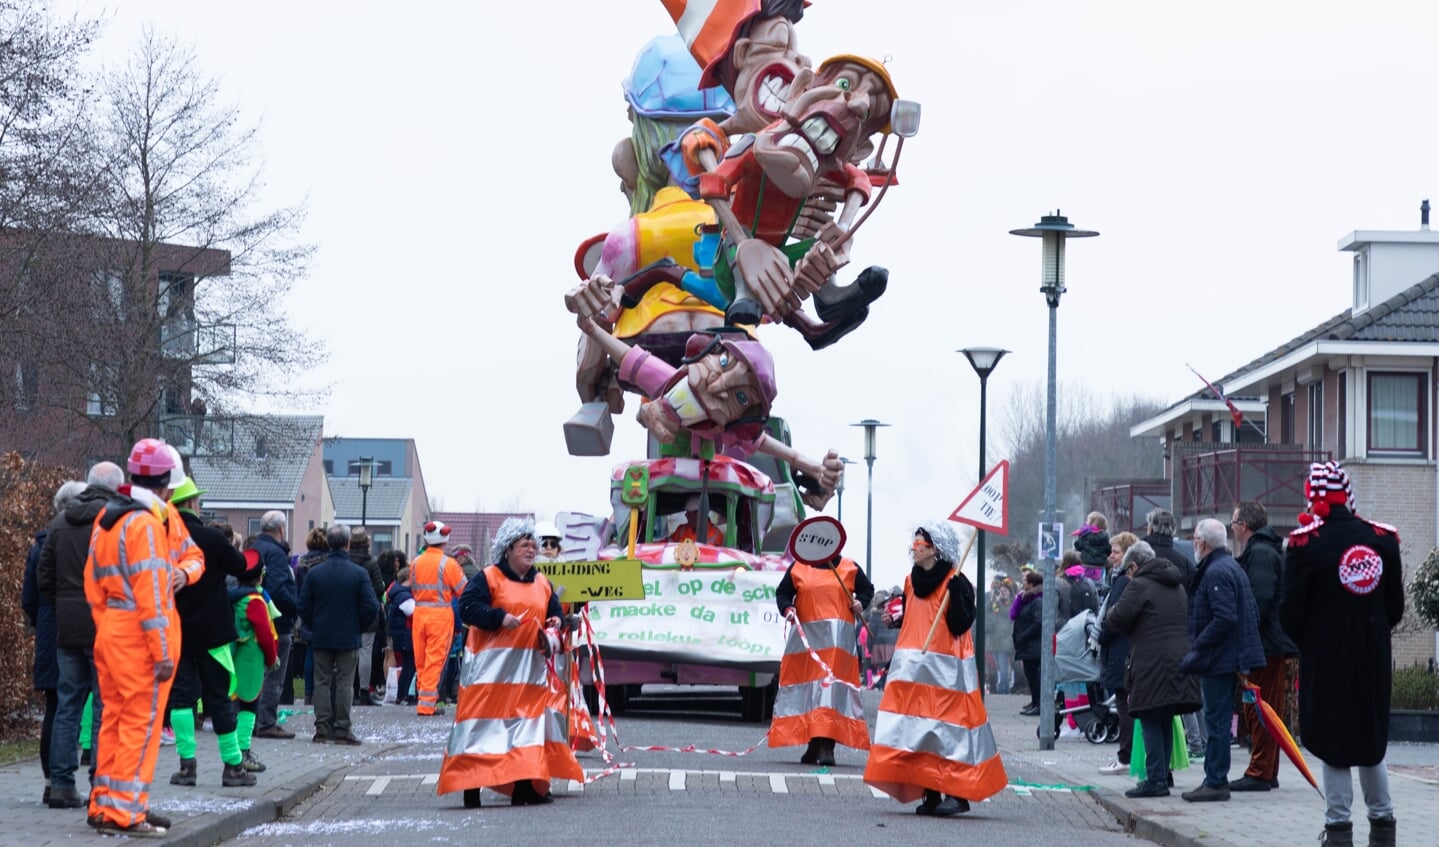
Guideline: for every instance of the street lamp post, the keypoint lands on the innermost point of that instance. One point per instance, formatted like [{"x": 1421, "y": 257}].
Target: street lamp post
[
  {"x": 870, "y": 425},
  {"x": 984, "y": 360},
  {"x": 1054, "y": 229},
  {"x": 366, "y": 466},
  {"x": 839, "y": 489}
]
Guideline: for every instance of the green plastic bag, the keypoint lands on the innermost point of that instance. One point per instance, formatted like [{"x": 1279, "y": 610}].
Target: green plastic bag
[{"x": 1178, "y": 757}]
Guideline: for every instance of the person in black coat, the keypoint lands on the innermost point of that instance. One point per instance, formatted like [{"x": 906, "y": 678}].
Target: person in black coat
[
  {"x": 339, "y": 604},
  {"x": 1161, "y": 527},
  {"x": 207, "y": 621},
  {"x": 399, "y": 607},
  {"x": 280, "y": 588},
  {"x": 1114, "y": 652},
  {"x": 1027, "y": 614},
  {"x": 1224, "y": 629},
  {"x": 1152, "y": 612},
  {"x": 1343, "y": 595},
  {"x": 60, "y": 574},
  {"x": 40, "y": 615},
  {"x": 1263, "y": 562}
]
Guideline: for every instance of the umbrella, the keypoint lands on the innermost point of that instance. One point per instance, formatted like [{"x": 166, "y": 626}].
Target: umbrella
[{"x": 1269, "y": 719}]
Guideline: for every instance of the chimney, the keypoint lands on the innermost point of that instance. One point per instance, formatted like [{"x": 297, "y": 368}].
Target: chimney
[{"x": 1387, "y": 262}]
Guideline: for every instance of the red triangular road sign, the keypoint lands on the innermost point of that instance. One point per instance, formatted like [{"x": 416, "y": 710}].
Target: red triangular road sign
[{"x": 987, "y": 506}]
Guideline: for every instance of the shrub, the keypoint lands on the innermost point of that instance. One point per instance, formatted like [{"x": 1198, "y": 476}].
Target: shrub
[
  {"x": 1415, "y": 687},
  {"x": 27, "y": 494},
  {"x": 1424, "y": 590}
]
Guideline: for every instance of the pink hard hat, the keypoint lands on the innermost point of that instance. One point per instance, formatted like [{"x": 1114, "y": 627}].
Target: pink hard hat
[{"x": 151, "y": 457}]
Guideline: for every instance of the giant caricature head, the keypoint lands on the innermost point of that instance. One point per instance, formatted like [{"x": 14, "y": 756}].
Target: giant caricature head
[
  {"x": 731, "y": 377},
  {"x": 828, "y": 124},
  {"x": 749, "y": 48}
]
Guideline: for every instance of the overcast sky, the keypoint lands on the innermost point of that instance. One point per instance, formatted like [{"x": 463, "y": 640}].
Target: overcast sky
[{"x": 454, "y": 154}]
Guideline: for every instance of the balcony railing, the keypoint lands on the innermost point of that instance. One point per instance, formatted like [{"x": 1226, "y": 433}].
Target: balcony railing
[
  {"x": 202, "y": 344},
  {"x": 1210, "y": 483},
  {"x": 1126, "y": 502},
  {"x": 200, "y": 435}
]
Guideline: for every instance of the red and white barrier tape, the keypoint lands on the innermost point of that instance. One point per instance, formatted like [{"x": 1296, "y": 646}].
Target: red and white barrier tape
[{"x": 829, "y": 677}]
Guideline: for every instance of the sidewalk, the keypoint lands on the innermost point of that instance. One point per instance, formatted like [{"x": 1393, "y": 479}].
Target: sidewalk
[
  {"x": 206, "y": 814},
  {"x": 1290, "y": 815}
]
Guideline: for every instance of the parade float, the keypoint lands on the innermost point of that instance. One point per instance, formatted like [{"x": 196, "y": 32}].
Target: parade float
[{"x": 748, "y": 171}]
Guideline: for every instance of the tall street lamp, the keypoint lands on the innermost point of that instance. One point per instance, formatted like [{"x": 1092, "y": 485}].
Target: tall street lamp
[
  {"x": 870, "y": 425},
  {"x": 839, "y": 489},
  {"x": 1054, "y": 229},
  {"x": 984, "y": 360},
  {"x": 366, "y": 467}
]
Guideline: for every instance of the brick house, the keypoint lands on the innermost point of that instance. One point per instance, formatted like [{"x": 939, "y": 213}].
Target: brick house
[{"x": 1360, "y": 388}]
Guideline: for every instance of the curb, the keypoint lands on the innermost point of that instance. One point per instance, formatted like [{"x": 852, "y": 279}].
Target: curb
[
  {"x": 1144, "y": 826},
  {"x": 275, "y": 804}
]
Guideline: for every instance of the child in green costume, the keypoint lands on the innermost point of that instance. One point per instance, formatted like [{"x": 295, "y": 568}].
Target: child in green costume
[{"x": 255, "y": 651}]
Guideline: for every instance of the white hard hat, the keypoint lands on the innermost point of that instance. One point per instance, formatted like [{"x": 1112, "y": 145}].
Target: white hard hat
[{"x": 545, "y": 529}]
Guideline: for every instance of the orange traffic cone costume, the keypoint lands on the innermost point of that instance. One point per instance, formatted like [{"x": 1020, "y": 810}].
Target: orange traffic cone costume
[
  {"x": 932, "y": 732},
  {"x": 509, "y": 731},
  {"x": 139, "y": 547},
  {"x": 808, "y": 706},
  {"x": 436, "y": 581}
]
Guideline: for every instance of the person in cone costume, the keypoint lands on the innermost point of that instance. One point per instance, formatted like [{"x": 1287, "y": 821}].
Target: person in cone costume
[
  {"x": 435, "y": 581},
  {"x": 825, "y": 600},
  {"x": 932, "y": 736},
  {"x": 509, "y": 734},
  {"x": 256, "y": 650},
  {"x": 140, "y": 555}
]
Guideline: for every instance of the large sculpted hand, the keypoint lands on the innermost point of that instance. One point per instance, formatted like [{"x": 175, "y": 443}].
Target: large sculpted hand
[
  {"x": 818, "y": 209},
  {"x": 596, "y": 297},
  {"x": 661, "y": 422},
  {"x": 827, "y": 472},
  {"x": 821, "y": 261},
  {"x": 766, "y": 275}
]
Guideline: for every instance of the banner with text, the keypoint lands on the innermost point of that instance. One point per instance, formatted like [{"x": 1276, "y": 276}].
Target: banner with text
[{"x": 716, "y": 617}]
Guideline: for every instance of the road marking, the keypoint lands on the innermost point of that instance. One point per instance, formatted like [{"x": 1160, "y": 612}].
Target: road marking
[
  {"x": 826, "y": 779},
  {"x": 677, "y": 780},
  {"x": 880, "y": 795},
  {"x": 777, "y": 783},
  {"x": 378, "y": 787}
]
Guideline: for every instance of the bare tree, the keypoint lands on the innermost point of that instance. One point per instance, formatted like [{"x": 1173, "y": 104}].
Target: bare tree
[
  {"x": 167, "y": 315},
  {"x": 1092, "y": 441}
]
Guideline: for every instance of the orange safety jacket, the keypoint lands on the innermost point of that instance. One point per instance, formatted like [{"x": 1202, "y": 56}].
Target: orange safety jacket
[
  {"x": 435, "y": 579},
  {"x": 506, "y": 725},
  {"x": 133, "y": 549},
  {"x": 932, "y": 730},
  {"x": 806, "y": 706}
]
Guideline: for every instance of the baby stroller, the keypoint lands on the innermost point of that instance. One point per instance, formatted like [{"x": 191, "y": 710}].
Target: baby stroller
[{"x": 1076, "y": 659}]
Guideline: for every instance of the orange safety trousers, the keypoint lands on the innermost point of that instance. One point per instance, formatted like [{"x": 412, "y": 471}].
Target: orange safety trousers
[
  {"x": 433, "y": 631},
  {"x": 130, "y": 733}
]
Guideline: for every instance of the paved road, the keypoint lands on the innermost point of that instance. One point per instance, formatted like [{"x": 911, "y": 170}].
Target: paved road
[{"x": 665, "y": 797}]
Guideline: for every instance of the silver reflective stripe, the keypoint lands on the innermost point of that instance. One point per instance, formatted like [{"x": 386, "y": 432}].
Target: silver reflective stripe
[
  {"x": 114, "y": 802},
  {"x": 804, "y": 697},
  {"x": 154, "y": 623},
  {"x": 433, "y": 604},
  {"x": 425, "y": 586},
  {"x": 823, "y": 635},
  {"x": 120, "y": 603},
  {"x": 496, "y": 737},
  {"x": 121, "y": 785},
  {"x": 929, "y": 735},
  {"x": 162, "y": 592},
  {"x": 132, "y": 569},
  {"x": 942, "y": 670},
  {"x": 517, "y": 665}
]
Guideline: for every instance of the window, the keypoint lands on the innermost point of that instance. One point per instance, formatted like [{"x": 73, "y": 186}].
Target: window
[
  {"x": 252, "y": 527},
  {"x": 262, "y": 448},
  {"x": 175, "y": 298},
  {"x": 1396, "y": 413},
  {"x": 382, "y": 541},
  {"x": 101, "y": 401},
  {"x": 329, "y": 467},
  {"x": 109, "y": 291},
  {"x": 27, "y": 386},
  {"x": 1316, "y": 415},
  {"x": 382, "y": 468},
  {"x": 1342, "y": 415},
  {"x": 1286, "y": 418}
]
